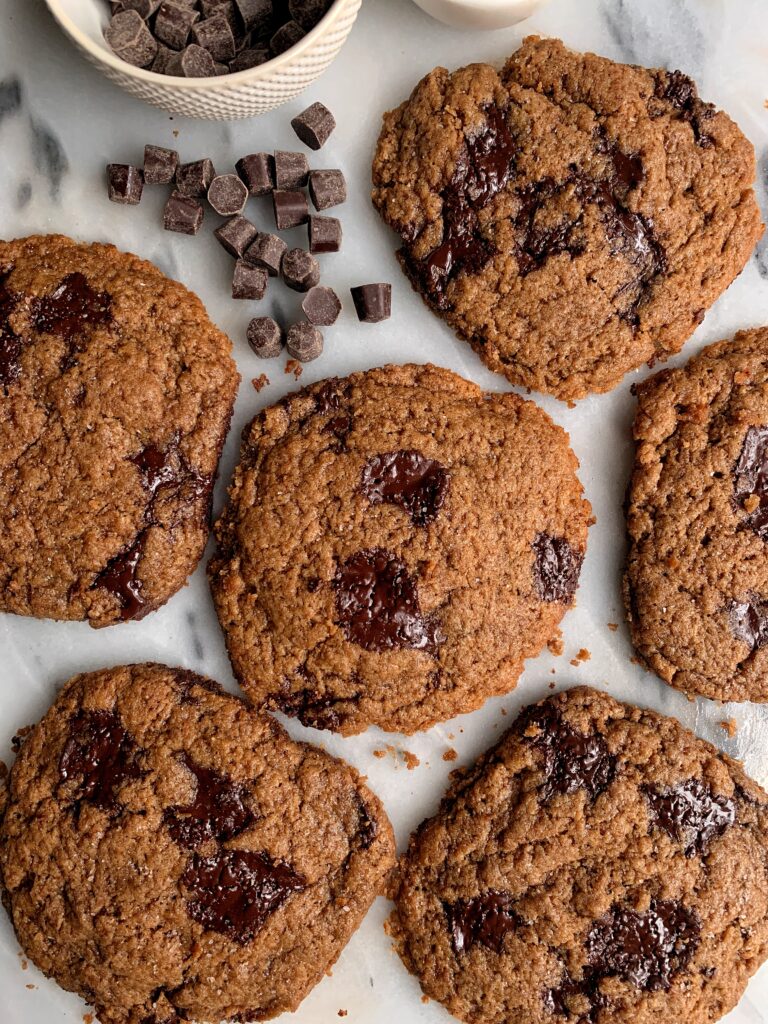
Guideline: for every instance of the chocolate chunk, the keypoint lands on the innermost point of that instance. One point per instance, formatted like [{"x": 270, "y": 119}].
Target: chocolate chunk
[
  {"x": 214, "y": 34},
  {"x": 291, "y": 209},
  {"x": 645, "y": 948},
  {"x": 146, "y": 8},
  {"x": 193, "y": 179},
  {"x": 249, "y": 282},
  {"x": 286, "y": 36},
  {"x": 324, "y": 234},
  {"x": 162, "y": 59},
  {"x": 556, "y": 568},
  {"x": 572, "y": 761},
  {"x": 304, "y": 342},
  {"x": 679, "y": 90},
  {"x": 265, "y": 336},
  {"x": 233, "y": 892},
  {"x": 155, "y": 467},
  {"x": 373, "y": 302},
  {"x": 314, "y": 125},
  {"x": 10, "y": 343},
  {"x": 236, "y": 235},
  {"x": 307, "y": 13},
  {"x": 250, "y": 57},
  {"x": 300, "y": 270},
  {"x": 160, "y": 165},
  {"x": 748, "y": 620},
  {"x": 71, "y": 308},
  {"x": 267, "y": 251},
  {"x": 173, "y": 24},
  {"x": 193, "y": 62},
  {"x": 102, "y": 755},
  {"x": 255, "y": 14},
  {"x": 311, "y": 708},
  {"x": 227, "y": 195},
  {"x": 408, "y": 479},
  {"x": 209, "y": 8},
  {"x": 377, "y": 604},
  {"x": 327, "y": 188},
  {"x": 120, "y": 578},
  {"x": 291, "y": 169},
  {"x": 750, "y": 479},
  {"x": 367, "y": 827},
  {"x": 690, "y": 814},
  {"x": 321, "y": 306},
  {"x": 183, "y": 214},
  {"x": 257, "y": 173},
  {"x": 130, "y": 39},
  {"x": 125, "y": 184},
  {"x": 219, "y": 809},
  {"x": 485, "y": 919}
]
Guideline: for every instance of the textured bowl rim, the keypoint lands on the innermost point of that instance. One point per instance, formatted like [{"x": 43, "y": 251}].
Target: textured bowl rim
[{"x": 262, "y": 71}]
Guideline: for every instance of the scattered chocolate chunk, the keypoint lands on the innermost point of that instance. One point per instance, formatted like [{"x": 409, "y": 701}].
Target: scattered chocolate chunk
[
  {"x": 314, "y": 125},
  {"x": 102, "y": 754},
  {"x": 324, "y": 234},
  {"x": 291, "y": 209},
  {"x": 257, "y": 172},
  {"x": 236, "y": 235},
  {"x": 183, "y": 214},
  {"x": 408, "y": 479},
  {"x": 485, "y": 919},
  {"x": 193, "y": 179},
  {"x": 286, "y": 36},
  {"x": 291, "y": 169},
  {"x": 556, "y": 568},
  {"x": 160, "y": 165},
  {"x": 233, "y": 892},
  {"x": 327, "y": 188},
  {"x": 377, "y": 604},
  {"x": 265, "y": 336},
  {"x": 690, "y": 814},
  {"x": 227, "y": 195},
  {"x": 750, "y": 480},
  {"x": 304, "y": 342},
  {"x": 125, "y": 184},
  {"x": 173, "y": 23},
  {"x": 748, "y": 620},
  {"x": 250, "y": 57},
  {"x": 249, "y": 282},
  {"x": 214, "y": 34},
  {"x": 256, "y": 15},
  {"x": 300, "y": 270},
  {"x": 373, "y": 302},
  {"x": 219, "y": 809},
  {"x": 130, "y": 39},
  {"x": 321, "y": 306},
  {"x": 193, "y": 62},
  {"x": 266, "y": 251},
  {"x": 307, "y": 13}
]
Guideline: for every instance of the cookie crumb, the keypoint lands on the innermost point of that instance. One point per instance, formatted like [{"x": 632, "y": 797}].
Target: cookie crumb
[
  {"x": 294, "y": 366},
  {"x": 613, "y": 626},
  {"x": 24, "y": 963},
  {"x": 582, "y": 655},
  {"x": 551, "y": 686},
  {"x": 31, "y": 987},
  {"x": 261, "y": 382},
  {"x": 450, "y": 754},
  {"x": 425, "y": 999},
  {"x": 504, "y": 712},
  {"x": 751, "y": 503},
  {"x": 342, "y": 1013},
  {"x": 379, "y": 753},
  {"x": 555, "y": 645},
  {"x": 411, "y": 761},
  {"x": 729, "y": 725},
  {"x": 87, "y": 1018},
  {"x": 19, "y": 738}
]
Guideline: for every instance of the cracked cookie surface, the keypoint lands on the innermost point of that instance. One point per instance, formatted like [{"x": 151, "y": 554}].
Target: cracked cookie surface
[
  {"x": 396, "y": 544},
  {"x": 116, "y": 393},
  {"x": 568, "y": 216},
  {"x": 600, "y": 864},
  {"x": 170, "y": 854},
  {"x": 696, "y": 579}
]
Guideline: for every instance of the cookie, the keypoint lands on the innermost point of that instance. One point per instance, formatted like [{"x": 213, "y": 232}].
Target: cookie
[
  {"x": 569, "y": 217},
  {"x": 169, "y": 853},
  {"x": 600, "y": 864},
  {"x": 116, "y": 393},
  {"x": 396, "y": 544},
  {"x": 696, "y": 579}
]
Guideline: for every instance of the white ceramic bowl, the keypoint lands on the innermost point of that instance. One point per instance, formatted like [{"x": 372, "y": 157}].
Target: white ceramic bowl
[
  {"x": 480, "y": 14},
  {"x": 226, "y": 97}
]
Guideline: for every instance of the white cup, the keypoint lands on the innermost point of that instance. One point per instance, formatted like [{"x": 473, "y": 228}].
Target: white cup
[{"x": 480, "y": 14}]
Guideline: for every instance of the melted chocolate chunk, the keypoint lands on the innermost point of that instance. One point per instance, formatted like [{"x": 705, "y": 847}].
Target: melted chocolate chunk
[
  {"x": 71, "y": 308},
  {"x": 646, "y": 949},
  {"x": 408, "y": 479},
  {"x": 119, "y": 577},
  {"x": 690, "y": 814},
  {"x": 485, "y": 919},
  {"x": 559, "y": 1000},
  {"x": 377, "y": 604},
  {"x": 572, "y": 761},
  {"x": 10, "y": 343},
  {"x": 218, "y": 811},
  {"x": 308, "y": 706},
  {"x": 367, "y": 828},
  {"x": 103, "y": 754},
  {"x": 750, "y": 479},
  {"x": 748, "y": 621},
  {"x": 235, "y": 891},
  {"x": 679, "y": 90},
  {"x": 154, "y": 466},
  {"x": 556, "y": 568}
]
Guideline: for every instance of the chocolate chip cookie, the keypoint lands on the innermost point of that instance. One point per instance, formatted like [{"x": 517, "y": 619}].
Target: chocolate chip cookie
[
  {"x": 600, "y": 864},
  {"x": 396, "y": 544},
  {"x": 696, "y": 580},
  {"x": 569, "y": 217},
  {"x": 116, "y": 393},
  {"x": 170, "y": 854}
]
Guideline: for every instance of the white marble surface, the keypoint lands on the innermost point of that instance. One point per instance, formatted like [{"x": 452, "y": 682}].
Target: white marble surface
[{"x": 60, "y": 122}]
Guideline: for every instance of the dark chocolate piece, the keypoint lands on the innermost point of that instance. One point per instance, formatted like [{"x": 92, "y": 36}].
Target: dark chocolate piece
[
  {"x": 130, "y": 39},
  {"x": 125, "y": 184},
  {"x": 314, "y": 125},
  {"x": 291, "y": 209},
  {"x": 193, "y": 179},
  {"x": 257, "y": 173},
  {"x": 227, "y": 195},
  {"x": 236, "y": 235},
  {"x": 162, "y": 59},
  {"x": 690, "y": 814},
  {"x": 214, "y": 34},
  {"x": 679, "y": 90},
  {"x": 219, "y": 809},
  {"x": 183, "y": 214},
  {"x": 556, "y": 568},
  {"x": 286, "y": 36},
  {"x": 173, "y": 23},
  {"x": 300, "y": 270},
  {"x": 307, "y": 13},
  {"x": 119, "y": 577},
  {"x": 250, "y": 57},
  {"x": 71, "y": 308},
  {"x": 750, "y": 480},
  {"x": 324, "y": 234},
  {"x": 748, "y": 620},
  {"x": 321, "y": 306},
  {"x": 327, "y": 188},
  {"x": 255, "y": 14},
  {"x": 146, "y": 8},
  {"x": 249, "y": 282},
  {"x": 10, "y": 343},
  {"x": 265, "y": 336},
  {"x": 193, "y": 62},
  {"x": 103, "y": 754},
  {"x": 408, "y": 479},
  {"x": 160, "y": 165},
  {"x": 267, "y": 251},
  {"x": 373, "y": 302},
  {"x": 291, "y": 169},
  {"x": 304, "y": 342},
  {"x": 485, "y": 919}
]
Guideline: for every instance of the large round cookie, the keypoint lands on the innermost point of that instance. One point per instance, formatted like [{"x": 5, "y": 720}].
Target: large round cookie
[
  {"x": 395, "y": 545},
  {"x": 601, "y": 864},
  {"x": 116, "y": 393},
  {"x": 570, "y": 217},
  {"x": 170, "y": 854},
  {"x": 696, "y": 580}
]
